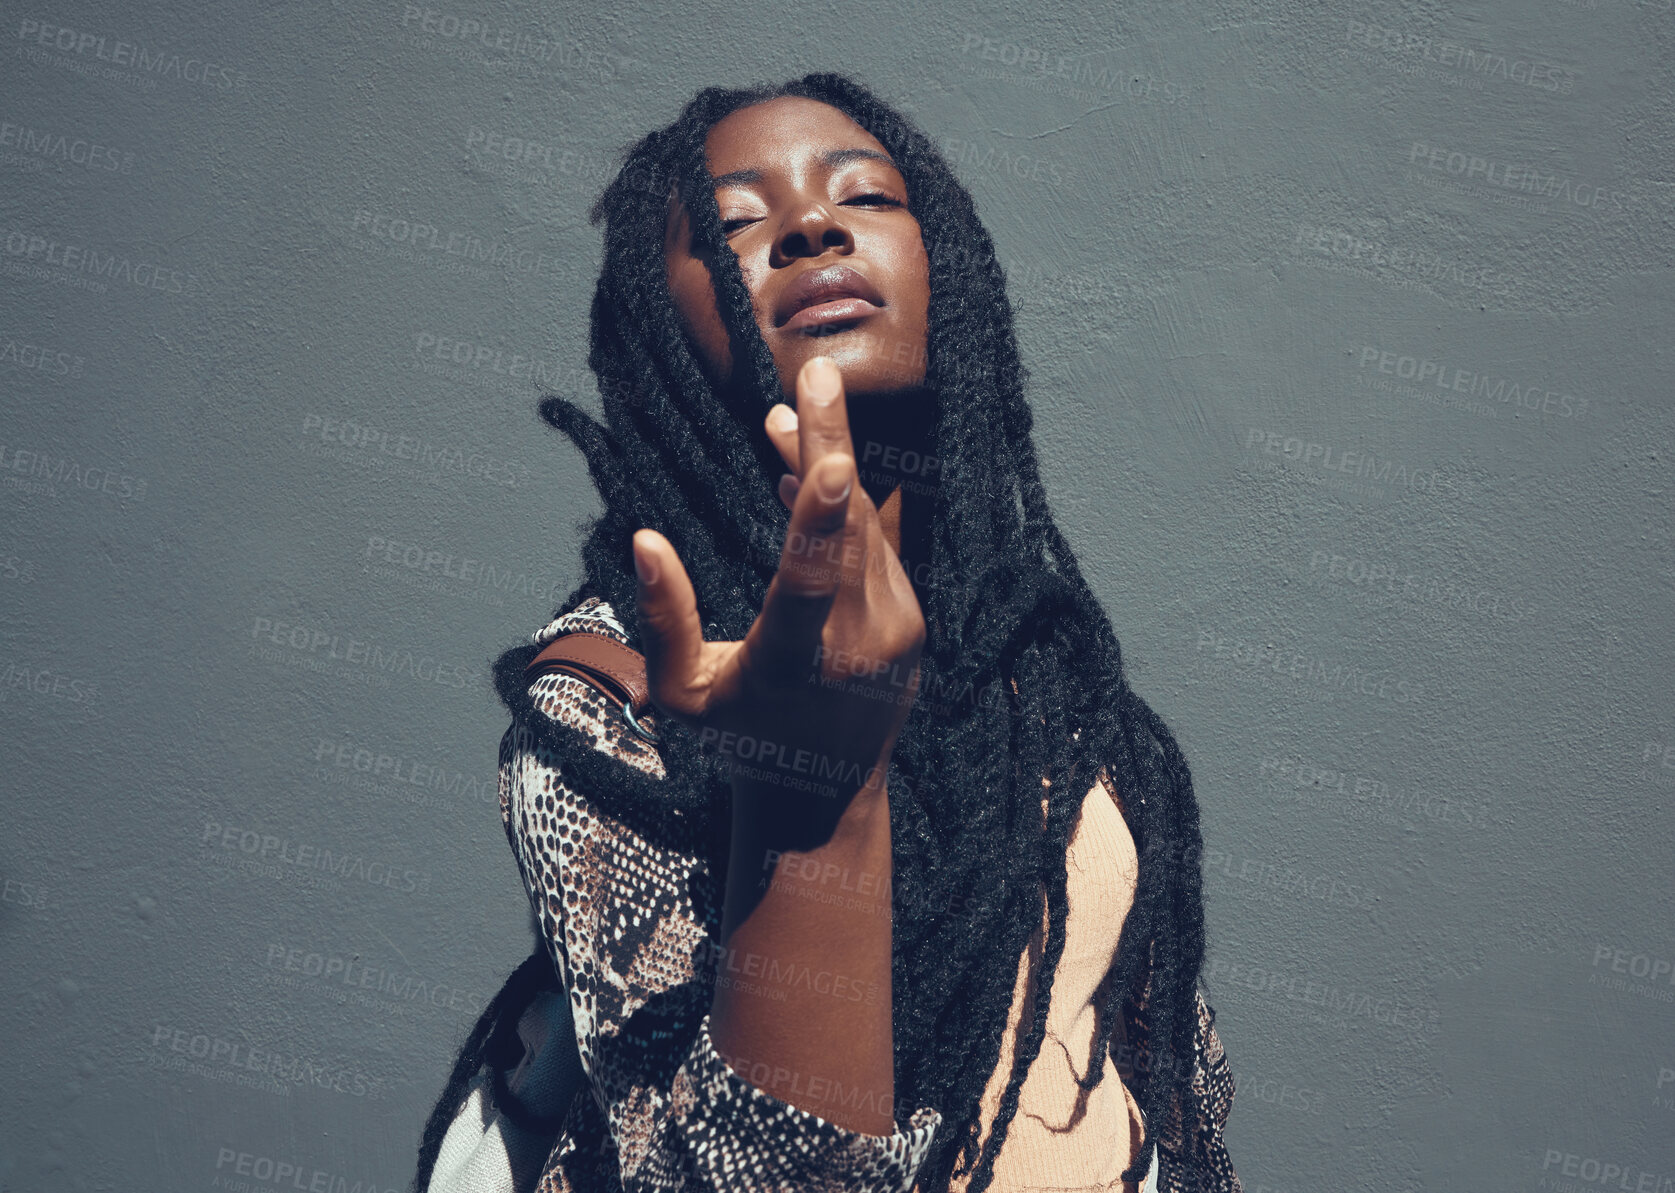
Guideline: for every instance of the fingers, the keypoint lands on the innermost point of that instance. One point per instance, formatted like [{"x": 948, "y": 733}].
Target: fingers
[
  {"x": 781, "y": 423},
  {"x": 822, "y": 414},
  {"x": 813, "y": 566},
  {"x": 819, "y": 387},
  {"x": 671, "y": 636}
]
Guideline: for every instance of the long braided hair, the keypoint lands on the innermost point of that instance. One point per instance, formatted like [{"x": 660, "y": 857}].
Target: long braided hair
[{"x": 1007, "y": 607}]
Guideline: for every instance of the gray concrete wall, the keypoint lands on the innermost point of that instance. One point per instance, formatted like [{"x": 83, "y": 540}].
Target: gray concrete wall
[{"x": 1350, "y": 334}]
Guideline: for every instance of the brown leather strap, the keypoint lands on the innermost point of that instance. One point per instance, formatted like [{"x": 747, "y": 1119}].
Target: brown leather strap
[{"x": 618, "y": 670}]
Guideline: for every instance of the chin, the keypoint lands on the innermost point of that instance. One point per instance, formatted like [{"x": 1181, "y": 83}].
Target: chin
[{"x": 872, "y": 360}]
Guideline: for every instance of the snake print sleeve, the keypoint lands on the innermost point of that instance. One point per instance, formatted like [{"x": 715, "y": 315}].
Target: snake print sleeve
[
  {"x": 1212, "y": 1089},
  {"x": 629, "y": 925},
  {"x": 1195, "y": 1163}
]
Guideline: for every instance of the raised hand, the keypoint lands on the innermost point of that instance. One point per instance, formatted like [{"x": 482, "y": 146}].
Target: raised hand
[{"x": 817, "y": 691}]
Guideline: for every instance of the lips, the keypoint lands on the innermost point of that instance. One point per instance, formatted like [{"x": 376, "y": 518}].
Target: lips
[{"x": 826, "y": 295}]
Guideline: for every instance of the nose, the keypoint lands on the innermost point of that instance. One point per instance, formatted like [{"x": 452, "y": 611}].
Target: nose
[{"x": 811, "y": 229}]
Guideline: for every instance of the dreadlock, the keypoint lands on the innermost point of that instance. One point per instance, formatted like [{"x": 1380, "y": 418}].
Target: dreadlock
[{"x": 1008, "y": 611}]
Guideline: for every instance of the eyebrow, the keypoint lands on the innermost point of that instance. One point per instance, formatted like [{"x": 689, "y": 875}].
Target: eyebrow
[{"x": 831, "y": 159}]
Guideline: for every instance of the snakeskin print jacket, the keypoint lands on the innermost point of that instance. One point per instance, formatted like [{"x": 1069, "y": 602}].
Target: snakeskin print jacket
[{"x": 627, "y": 925}]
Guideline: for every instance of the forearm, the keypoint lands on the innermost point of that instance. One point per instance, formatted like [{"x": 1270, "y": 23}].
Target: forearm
[{"x": 801, "y": 1006}]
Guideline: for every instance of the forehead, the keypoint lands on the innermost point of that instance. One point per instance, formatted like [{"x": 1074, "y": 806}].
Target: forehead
[{"x": 790, "y": 133}]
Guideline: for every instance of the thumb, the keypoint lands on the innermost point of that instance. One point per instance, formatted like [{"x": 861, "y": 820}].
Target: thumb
[{"x": 671, "y": 635}]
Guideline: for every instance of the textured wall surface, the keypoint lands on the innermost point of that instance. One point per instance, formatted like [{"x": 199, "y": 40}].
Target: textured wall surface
[{"x": 1349, "y": 329}]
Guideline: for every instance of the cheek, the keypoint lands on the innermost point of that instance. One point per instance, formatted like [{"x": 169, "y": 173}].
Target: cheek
[
  {"x": 916, "y": 272},
  {"x": 689, "y": 285},
  {"x": 753, "y": 271}
]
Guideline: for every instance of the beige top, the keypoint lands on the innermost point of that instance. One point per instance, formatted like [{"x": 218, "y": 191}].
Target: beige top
[{"x": 1064, "y": 1139}]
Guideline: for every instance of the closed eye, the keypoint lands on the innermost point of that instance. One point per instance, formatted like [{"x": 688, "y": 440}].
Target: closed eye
[{"x": 872, "y": 199}]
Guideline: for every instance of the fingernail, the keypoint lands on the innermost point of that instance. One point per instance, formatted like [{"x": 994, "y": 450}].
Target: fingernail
[
  {"x": 831, "y": 488},
  {"x": 824, "y": 380},
  {"x": 782, "y": 417},
  {"x": 645, "y": 567}
]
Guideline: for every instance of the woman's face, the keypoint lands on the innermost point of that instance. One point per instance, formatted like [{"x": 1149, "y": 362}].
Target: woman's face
[{"x": 817, "y": 213}]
